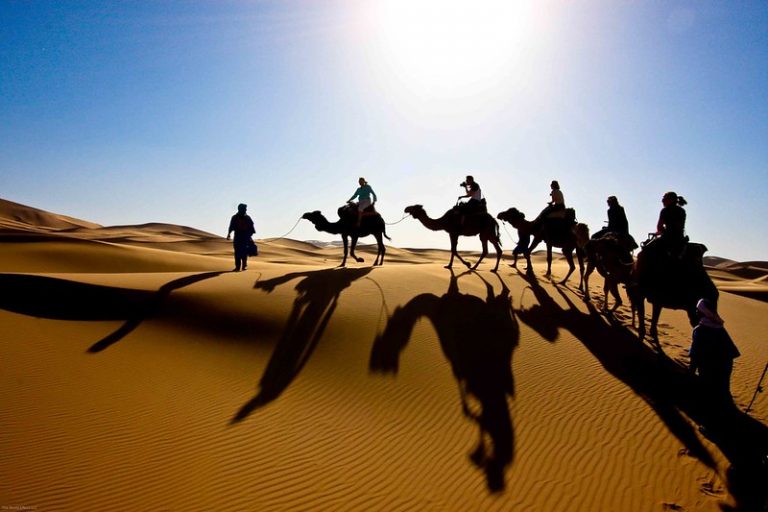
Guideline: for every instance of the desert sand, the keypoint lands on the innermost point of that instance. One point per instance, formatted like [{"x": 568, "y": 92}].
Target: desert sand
[{"x": 139, "y": 373}]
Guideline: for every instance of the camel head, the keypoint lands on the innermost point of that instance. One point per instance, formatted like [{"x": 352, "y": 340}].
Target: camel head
[
  {"x": 415, "y": 211},
  {"x": 513, "y": 216},
  {"x": 313, "y": 217}
]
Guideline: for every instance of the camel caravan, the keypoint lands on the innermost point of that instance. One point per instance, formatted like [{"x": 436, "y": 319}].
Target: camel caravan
[{"x": 668, "y": 271}]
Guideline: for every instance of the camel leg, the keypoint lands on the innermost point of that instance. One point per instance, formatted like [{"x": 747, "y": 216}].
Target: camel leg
[
  {"x": 616, "y": 295},
  {"x": 637, "y": 301},
  {"x": 454, "y": 243},
  {"x": 454, "y": 251},
  {"x": 654, "y": 324},
  {"x": 571, "y": 265},
  {"x": 549, "y": 261},
  {"x": 378, "y": 249},
  {"x": 484, "y": 243},
  {"x": 590, "y": 269},
  {"x": 381, "y": 250},
  {"x": 580, "y": 258},
  {"x": 497, "y": 246},
  {"x": 346, "y": 249},
  {"x": 352, "y": 250}
]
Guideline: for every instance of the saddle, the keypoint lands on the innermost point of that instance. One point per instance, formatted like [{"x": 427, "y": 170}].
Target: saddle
[
  {"x": 568, "y": 214},
  {"x": 471, "y": 208},
  {"x": 626, "y": 241},
  {"x": 351, "y": 208}
]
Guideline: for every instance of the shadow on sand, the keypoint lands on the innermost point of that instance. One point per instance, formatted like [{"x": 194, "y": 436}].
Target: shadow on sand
[
  {"x": 60, "y": 299},
  {"x": 318, "y": 293},
  {"x": 477, "y": 337},
  {"x": 668, "y": 388}
]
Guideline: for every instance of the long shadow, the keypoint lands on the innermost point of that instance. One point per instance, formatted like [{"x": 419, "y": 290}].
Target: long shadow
[
  {"x": 668, "y": 388},
  {"x": 149, "y": 308},
  {"x": 318, "y": 293},
  {"x": 60, "y": 299},
  {"x": 477, "y": 337}
]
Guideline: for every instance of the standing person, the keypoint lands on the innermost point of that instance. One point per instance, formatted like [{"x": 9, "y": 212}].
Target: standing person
[
  {"x": 712, "y": 352},
  {"x": 617, "y": 220},
  {"x": 364, "y": 192},
  {"x": 242, "y": 225},
  {"x": 523, "y": 242}
]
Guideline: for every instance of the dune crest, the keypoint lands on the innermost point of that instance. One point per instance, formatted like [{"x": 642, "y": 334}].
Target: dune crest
[{"x": 139, "y": 373}]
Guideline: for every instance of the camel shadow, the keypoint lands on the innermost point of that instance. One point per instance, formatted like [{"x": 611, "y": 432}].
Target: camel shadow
[
  {"x": 668, "y": 388},
  {"x": 61, "y": 299},
  {"x": 318, "y": 293},
  {"x": 477, "y": 337}
]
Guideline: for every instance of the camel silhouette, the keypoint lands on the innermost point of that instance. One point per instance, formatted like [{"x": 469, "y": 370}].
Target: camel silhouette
[
  {"x": 457, "y": 224},
  {"x": 477, "y": 337},
  {"x": 346, "y": 226},
  {"x": 318, "y": 294},
  {"x": 613, "y": 262},
  {"x": 674, "y": 394},
  {"x": 672, "y": 283},
  {"x": 564, "y": 233}
]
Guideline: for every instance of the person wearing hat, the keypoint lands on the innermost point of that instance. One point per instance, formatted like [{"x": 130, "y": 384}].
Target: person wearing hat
[
  {"x": 712, "y": 351},
  {"x": 242, "y": 225}
]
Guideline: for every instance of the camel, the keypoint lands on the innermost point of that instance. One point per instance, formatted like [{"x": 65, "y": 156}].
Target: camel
[
  {"x": 669, "y": 283},
  {"x": 481, "y": 224},
  {"x": 347, "y": 227},
  {"x": 564, "y": 233},
  {"x": 478, "y": 338},
  {"x": 613, "y": 262}
]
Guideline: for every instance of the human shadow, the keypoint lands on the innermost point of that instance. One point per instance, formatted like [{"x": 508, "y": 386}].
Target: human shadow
[
  {"x": 318, "y": 293},
  {"x": 667, "y": 387},
  {"x": 61, "y": 299},
  {"x": 477, "y": 337}
]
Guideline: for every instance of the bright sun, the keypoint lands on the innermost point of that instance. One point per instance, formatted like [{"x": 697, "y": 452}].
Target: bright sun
[{"x": 455, "y": 47}]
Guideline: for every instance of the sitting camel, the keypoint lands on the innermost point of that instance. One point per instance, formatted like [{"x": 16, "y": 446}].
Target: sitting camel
[
  {"x": 562, "y": 232},
  {"x": 346, "y": 226},
  {"x": 457, "y": 224},
  {"x": 612, "y": 261},
  {"x": 667, "y": 282}
]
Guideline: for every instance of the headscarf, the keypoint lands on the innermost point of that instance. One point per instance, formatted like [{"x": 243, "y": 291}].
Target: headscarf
[{"x": 708, "y": 316}]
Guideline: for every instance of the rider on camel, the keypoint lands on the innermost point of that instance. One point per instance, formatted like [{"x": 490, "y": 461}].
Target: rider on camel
[
  {"x": 555, "y": 204},
  {"x": 472, "y": 189},
  {"x": 475, "y": 203},
  {"x": 364, "y": 192},
  {"x": 670, "y": 229},
  {"x": 617, "y": 224}
]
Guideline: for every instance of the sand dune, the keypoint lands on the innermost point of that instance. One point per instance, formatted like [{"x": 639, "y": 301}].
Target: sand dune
[{"x": 140, "y": 374}]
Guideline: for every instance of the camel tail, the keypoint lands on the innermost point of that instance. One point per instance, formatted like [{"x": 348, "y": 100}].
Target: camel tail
[
  {"x": 498, "y": 234},
  {"x": 384, "y": 232}
]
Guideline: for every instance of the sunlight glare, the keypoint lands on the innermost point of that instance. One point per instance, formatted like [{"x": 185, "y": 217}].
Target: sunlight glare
[{"x": 455, "y": 47}]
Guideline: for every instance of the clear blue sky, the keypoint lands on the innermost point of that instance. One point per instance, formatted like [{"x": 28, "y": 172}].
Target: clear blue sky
[{"x": 133, "y": 112}]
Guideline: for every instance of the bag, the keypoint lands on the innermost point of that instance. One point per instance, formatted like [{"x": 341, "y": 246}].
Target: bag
[{"x": 252, "y": 248}]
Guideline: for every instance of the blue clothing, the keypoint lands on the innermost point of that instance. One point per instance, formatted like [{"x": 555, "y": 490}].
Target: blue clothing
[
  {"x": 522, "y": 244},
  {"x": 364, "y": 193}
]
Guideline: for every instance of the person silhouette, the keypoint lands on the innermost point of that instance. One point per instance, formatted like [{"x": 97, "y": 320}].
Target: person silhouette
[
  {"x": 556, "y": 202},
  {"x": 242, "y": 225},
  {"x": 712, "y": 352},
  {"x": 364, "y": 192}
]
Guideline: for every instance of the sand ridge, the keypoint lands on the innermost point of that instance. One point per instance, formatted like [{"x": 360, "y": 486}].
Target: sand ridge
[{"x": 143, "y": 374}]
